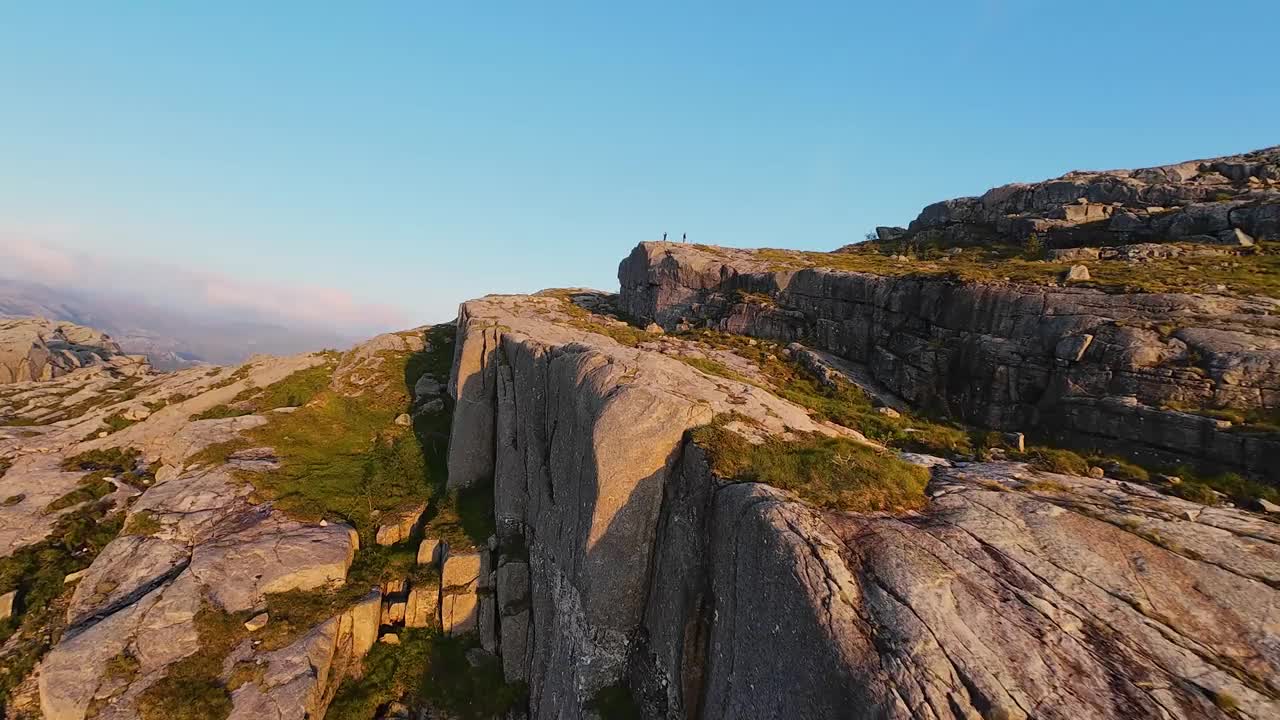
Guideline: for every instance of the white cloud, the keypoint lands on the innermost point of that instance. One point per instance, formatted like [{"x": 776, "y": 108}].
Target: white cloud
[{"x": 193, "y": 291}]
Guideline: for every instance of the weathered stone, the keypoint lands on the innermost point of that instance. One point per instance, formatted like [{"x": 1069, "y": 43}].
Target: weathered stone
[
  {"x": 257, "y": 622},
  {"x": 422, "y": 609},
  {"x": 486, "y": 608},
  {"x": 401, "y": 526},
  {"x": 458, "y": 585},
  {"x": 430, "y": 551},
  {"x": 1073, "y": 347},
  {"x": 1077, "y": 273},
  {"x": 991, "y": 354},
  {"x": 7, "y": 603},
  {"x": 393, "y": 613}
]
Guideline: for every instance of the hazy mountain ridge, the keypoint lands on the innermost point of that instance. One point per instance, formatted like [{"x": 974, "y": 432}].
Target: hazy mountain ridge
[{"x": 171, "y": 338}]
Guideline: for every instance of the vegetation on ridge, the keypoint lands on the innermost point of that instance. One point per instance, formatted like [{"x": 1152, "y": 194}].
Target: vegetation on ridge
[
  {"x": 829, "y": 472},
  {"x": 428, "y": 669},
  {"x": 37, "y": 572},
  {"x": 1252, "y": 273}
]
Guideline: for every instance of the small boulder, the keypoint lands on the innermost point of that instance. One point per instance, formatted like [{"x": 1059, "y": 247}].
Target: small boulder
[
  {"x": 1016, "y": 440},
  {"x": 404, "y": 420},
  {"x": 654, "y": 329},
  {"x": 1097, "y": 472},
  {"x": 1266, "y": 506},
  {"x": 257, "y": 622},
  {"x": 1077, "y": 273},
  {"x": 888, "y": 412},
  {"x": 390, "y": 639},
  {"x": 427, "y": 387},
  {"x": 7, "y": 602},
  {"x": 429, "y": 551}
]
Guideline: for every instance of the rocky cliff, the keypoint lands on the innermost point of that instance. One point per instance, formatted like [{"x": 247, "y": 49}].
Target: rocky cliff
[
  {"x": 1184, "y": 376},
  {"x": 754, "y": 484},
  {"x": 628, "y": 566}
]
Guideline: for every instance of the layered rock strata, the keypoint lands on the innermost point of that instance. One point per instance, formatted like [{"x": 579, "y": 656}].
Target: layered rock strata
[{"x": 1101, "y": 368}]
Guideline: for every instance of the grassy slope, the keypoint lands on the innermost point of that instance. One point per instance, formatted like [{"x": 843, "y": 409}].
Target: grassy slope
[{"x": 1252, "y": 274}]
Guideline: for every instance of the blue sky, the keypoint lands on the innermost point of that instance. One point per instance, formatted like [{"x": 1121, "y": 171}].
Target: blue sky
[{"x": 414, "y": 155}]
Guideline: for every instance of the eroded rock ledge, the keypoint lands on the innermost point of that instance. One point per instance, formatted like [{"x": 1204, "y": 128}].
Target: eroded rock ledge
[
  {"x": 623, "y": 562},
  {"x": 1092, "y": 365}
]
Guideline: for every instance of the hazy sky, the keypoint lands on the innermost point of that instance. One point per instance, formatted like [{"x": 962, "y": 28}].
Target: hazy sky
[{"x": 393, "y": 159}]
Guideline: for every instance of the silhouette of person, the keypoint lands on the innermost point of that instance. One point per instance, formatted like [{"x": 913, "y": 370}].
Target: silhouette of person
[
  {"x": 664, "y": 237},
  {"x": 684, "y": 237}
]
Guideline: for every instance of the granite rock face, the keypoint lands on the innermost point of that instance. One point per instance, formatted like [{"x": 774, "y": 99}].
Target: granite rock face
[
  {"x": 1100, "y": 367},
  {"x": 623, "y": 561},
  {"x": 579, "y": 435},
  {"x": 193, "y": 538},
  {"x": 35, "y": 349},
  {"x": 1233, "y": 200}
]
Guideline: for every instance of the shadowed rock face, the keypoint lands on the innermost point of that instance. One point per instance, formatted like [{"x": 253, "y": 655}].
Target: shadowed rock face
[
  {"x": 1093, "y": 365},
  {"x": 1013, "y": 593}
]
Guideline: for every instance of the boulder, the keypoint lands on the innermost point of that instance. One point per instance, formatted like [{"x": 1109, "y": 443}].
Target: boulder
[
  {"x": 459, "y": 582},
  {"x": 430, "y": 551},
  {"x": 1077, "y": 273},
  {"x": 422, "y": 608},
  {"x": 400, "y": 526}
]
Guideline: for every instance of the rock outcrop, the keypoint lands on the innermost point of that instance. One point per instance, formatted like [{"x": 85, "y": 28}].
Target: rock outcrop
[
  {"x": 1232, "y": 200},
  {"x": 1172, "y": 376},
  {"x": 625, "y": 562},
  {"x": 34, "y": 349},
  {"x": 195, "y": 540}
]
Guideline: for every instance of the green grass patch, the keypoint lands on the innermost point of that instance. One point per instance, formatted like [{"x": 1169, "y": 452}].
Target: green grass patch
[
  {"x": 1251, "y": 420},
  {"x": 428, "y": 668},
  {"x": 342, "y": 457},
  {"x": 192, "y": 688},
  {"x": 298, "y": 389},
  {"x": 37, "y": 573},
  {"x": 833, "y": 473},
  {"x": 91, "y": 488},
  {"x": 1255, "y": 273},
  {"x": 116, "y": 422},
  {"x": 613, "y": 325},
  {"x": 220, "y": 412},
  {"x": 124, "y": 464},
  {"x": 142, "y": 523},
  {"x": 844, "y": 404}
]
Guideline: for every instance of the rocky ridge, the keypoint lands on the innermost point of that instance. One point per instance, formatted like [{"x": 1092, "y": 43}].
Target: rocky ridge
[
  {"x": 1233, "y": 200},
  {"x": 1175, "y": 376},
  {"x": 200, "y": 550},
  {"x": 706, "y": 496},
  {"x": 626, "y": 565},
  {"x": 34, "y": 349}
]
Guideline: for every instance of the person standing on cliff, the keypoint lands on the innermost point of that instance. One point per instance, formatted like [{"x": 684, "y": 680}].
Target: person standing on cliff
[
  {"x": 684, "y": 237},
  {"x": 664, "y": 237}
]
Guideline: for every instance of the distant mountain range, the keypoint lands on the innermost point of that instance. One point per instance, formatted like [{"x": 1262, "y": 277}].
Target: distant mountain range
[{"x": 170, "y": 338}]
